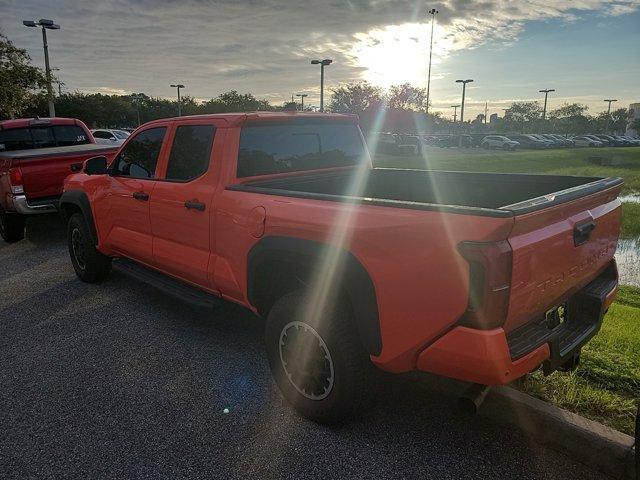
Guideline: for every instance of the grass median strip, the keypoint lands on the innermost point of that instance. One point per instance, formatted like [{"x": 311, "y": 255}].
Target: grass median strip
[
  {"x": 570, "y": 161},
  {"x": 606, "y": 385}
]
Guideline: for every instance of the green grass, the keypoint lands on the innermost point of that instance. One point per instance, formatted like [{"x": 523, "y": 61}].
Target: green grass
[
  {"x": 606, "y": 385},
  {"x": 562, "y": 161},
  {"x": 558, "y": 162},
  {"x": 630, "y": 220}
]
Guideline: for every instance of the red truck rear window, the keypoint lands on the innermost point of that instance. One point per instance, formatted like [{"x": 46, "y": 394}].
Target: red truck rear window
[
  {"x": 42, "y": 137},
  {"x": 298, "y": 145}
]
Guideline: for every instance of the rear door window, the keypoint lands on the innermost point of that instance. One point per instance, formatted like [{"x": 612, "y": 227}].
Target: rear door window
[
  {"x": 140, "y": 157},
  {"x": 190, "y": 152}
]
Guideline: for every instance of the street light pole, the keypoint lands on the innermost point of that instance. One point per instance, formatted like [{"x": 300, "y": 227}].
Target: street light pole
[
  {"x": 464, "y": 89},
  {"x": 322, "y": 63},
  {"x": 45, "y": 25},
  {"x": 609, "y": 111},
  {"x": 302, "y": 95},
  {"x": 433, "y": 12},
  {"x": 546, "y": 94},
  {"x": 178, "y": 86}
]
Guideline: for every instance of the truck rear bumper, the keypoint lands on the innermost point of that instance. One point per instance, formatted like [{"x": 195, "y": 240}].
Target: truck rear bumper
[
  {"x": 23, "y": 206},
  {"x": 493, "y": 357}
]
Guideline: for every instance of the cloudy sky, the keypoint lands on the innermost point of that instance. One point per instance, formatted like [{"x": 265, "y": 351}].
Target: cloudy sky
[{"x": 586, "y": 49}]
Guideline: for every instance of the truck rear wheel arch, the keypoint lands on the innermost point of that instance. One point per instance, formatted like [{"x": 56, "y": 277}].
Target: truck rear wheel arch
[
  {"x": 76, "y": 201},
  {"x": 279, "y": 265}
]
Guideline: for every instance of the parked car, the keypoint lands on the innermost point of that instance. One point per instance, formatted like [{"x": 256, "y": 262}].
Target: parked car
[
  {"x": 35, "y": 157},
  {"x": 550, "y": 143},
  {"x": 603, "y": 142},
  {"x": 632, "y": 141},
  {"x": 567, "y": 142},
  {"x": 283, "y": 213},
  {"x": 109, "y": 136},
  {"x": 462, "y": 140},
  {"x": 610, "y": 141},
  {"x": 499, "y": 141},
  {"x": 585, "y": 141},
  {"x": 557, "y": 141},
  {"x": 410, "y": 144},
  {"x": 625, "y": 141},
  {"x": 396, "y": 144},
  {"x": 529, "y": 141}
]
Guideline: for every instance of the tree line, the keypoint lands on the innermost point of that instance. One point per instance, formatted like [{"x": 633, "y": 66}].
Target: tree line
[{"x": 401, "y": 108}]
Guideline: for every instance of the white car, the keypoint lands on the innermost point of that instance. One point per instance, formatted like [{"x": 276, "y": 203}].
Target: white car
[
  {"x": 110, "y": 137},
  {"x": 498, "y": 141},
  {"x": 585, "y": 142}
]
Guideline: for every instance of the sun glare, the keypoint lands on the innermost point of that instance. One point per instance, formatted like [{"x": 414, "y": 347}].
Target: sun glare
[{"x": 399, "y": 54}]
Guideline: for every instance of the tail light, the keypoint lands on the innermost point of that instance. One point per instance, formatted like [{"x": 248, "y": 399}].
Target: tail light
[
  {"x": 15, "y": 180},
  {"x": 489, "y": 283}
]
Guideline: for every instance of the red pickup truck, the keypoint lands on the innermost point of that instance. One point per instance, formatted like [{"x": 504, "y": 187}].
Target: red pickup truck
[
  {"x": 35, "y": 157},
  {"x": 481, "y": 277}
]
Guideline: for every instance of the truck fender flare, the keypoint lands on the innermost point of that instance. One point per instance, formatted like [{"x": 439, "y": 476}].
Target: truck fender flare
[
  {"x": 355, "y": 280},
  {"x": 79, "y": 199}
]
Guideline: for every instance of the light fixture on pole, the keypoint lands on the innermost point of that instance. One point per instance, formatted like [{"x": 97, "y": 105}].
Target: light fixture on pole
[
  {"x": 301, "y": 95},
  {"x": 433, "y": 12},
  {"x": 455, "y": 112},
  {"x": 178, "y": 86},
  {"x": 546, "y": 94},
  {"x": 609, "y": 111},
  {"x": 45, "y": 25},
  {"x": 322, "y": 63}
]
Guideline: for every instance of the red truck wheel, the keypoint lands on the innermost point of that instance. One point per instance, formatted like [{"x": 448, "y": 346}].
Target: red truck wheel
[
  {"x": 90, "y": 265},
  {"x": 11, "y": 226},
  {"x": 317, "y": 360}
]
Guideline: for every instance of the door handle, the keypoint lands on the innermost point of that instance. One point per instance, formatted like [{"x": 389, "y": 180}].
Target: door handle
[
  {"x": 195, "y": 205},
  {"x": 141, "y": 196}
]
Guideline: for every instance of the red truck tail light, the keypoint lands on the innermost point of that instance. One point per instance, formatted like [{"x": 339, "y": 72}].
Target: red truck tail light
[
  {"x": 489, "y": 283},
  {"x": 15, "y": 180}
]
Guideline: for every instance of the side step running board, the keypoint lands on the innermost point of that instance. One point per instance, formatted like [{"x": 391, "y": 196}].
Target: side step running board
[{"x": 167, "y": 284}]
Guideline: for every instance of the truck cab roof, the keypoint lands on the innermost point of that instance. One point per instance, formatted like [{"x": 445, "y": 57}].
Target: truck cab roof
[
  {"x": 36, "y": 121},
  {"x": 238, "y": 118}
]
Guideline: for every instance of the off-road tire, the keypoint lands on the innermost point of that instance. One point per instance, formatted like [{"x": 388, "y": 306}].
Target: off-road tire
[
  {"x": 352, "y": 368},
  {"x": 90, "y": 265}
]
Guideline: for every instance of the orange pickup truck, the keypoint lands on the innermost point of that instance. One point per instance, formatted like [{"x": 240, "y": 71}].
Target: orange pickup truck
[{"x": 482, "y": 277}]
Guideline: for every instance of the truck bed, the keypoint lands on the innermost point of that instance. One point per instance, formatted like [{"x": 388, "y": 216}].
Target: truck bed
[
  {"x": 43, "y": 170},
  {"x": 494, "y": 194}
]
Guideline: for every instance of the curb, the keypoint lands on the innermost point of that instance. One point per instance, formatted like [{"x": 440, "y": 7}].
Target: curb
[
  {"x": 589, "y": 442},
  {"x": 586, "y": 441}
]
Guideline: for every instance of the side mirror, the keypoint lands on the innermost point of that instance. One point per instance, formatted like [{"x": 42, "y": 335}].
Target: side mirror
[{"x": 96, "y": 166}]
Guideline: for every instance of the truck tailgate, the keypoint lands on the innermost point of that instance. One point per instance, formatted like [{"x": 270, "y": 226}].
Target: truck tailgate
[
  {"x": 44, "y": 170},
  {"x": 558, "y": 250}
]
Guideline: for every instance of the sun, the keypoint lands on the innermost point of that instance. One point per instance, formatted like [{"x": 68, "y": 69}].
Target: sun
[{"x": 399, "y": 54}]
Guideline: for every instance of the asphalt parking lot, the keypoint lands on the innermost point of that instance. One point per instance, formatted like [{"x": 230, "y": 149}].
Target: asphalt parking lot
[{"x": 118, "y": 381}]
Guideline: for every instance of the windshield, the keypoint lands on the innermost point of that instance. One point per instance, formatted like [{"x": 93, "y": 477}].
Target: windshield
[{"x": 304, "y": 144}]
